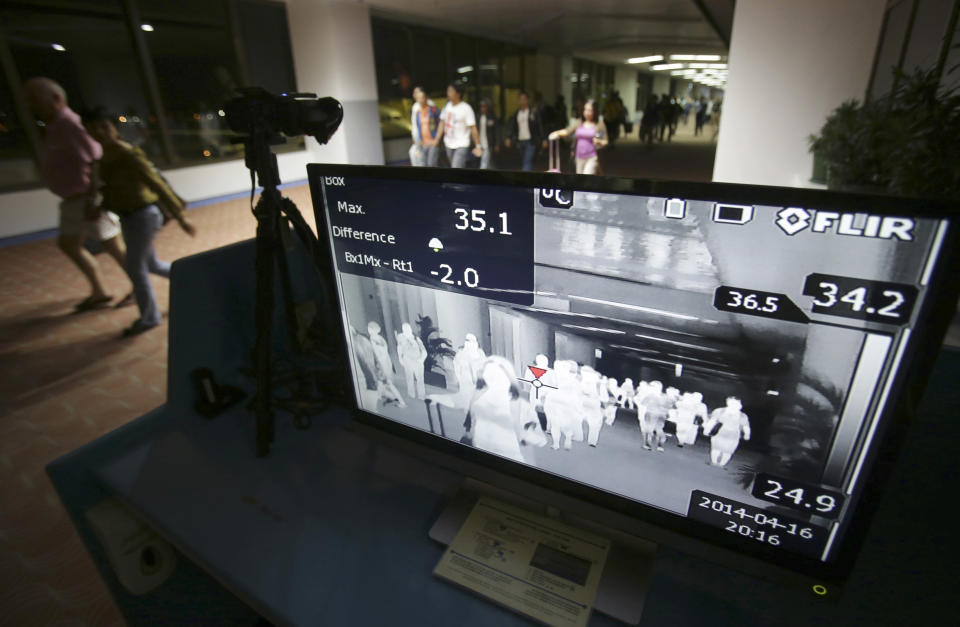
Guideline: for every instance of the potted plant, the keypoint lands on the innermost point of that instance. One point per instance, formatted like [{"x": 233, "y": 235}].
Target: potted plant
[
  {"x": 437, "y": 348},
  {"x": 906, "y": 143}
]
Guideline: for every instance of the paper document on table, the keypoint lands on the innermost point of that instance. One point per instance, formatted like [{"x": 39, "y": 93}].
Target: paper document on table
[{"x": 534, "y": 565}]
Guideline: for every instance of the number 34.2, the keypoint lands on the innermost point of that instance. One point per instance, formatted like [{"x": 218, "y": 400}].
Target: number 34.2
[{"x": 857, "y": 298}]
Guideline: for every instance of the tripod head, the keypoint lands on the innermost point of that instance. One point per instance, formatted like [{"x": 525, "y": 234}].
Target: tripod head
[{"x": 264, "y": 119}]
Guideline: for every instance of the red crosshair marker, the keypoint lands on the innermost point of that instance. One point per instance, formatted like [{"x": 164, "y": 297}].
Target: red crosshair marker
[{"x": 536, "y": 382}]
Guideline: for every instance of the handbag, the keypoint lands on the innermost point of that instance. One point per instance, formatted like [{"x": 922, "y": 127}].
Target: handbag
[
  {"x": 467, "y": 437},
  {"x": 167, "y": 211}
]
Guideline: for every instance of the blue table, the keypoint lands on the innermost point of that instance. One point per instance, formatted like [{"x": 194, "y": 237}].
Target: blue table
[{"x": 331, "y": 528}]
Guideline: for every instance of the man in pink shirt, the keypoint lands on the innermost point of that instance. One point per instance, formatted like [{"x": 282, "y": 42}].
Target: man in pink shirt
[{"x": 69, "y": 166}]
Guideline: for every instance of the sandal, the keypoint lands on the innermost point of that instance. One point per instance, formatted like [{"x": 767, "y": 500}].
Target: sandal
[
  {"x": 92, "y": 302},
  {"x": 137, "y": 328}
]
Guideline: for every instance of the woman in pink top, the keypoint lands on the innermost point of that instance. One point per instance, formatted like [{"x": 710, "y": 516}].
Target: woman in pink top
[{"x": 590, "y": 135}]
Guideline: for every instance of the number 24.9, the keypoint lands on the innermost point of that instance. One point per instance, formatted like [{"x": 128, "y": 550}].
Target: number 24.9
[{"x": 824, "y": 502}]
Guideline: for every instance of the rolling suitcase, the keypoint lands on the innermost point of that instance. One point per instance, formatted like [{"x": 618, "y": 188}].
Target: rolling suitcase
[
  {"x": 428, "y": 403},
  {"x": 554, "y": 156}
]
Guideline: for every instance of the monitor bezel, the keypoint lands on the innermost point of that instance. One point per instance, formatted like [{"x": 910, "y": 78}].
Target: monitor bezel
[{"x": 932, "y": 321}]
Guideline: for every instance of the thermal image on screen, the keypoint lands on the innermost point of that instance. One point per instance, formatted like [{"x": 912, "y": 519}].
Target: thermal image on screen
[{"x": 727, "y": 363}]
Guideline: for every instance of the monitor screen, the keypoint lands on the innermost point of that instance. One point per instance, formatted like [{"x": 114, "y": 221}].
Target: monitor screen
[{"x": 720, "y": 357}]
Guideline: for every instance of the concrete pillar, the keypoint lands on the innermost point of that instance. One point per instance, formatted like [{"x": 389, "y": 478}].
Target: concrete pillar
[
  {"x": 333, "y": 56},
  {"x": 566, "y": 87},
  {"x": 791, "y": 64},
  {"x": 545, "y": 79},
  {"x": 661, "y": 83},
  {"x": 625, "y": 79}
]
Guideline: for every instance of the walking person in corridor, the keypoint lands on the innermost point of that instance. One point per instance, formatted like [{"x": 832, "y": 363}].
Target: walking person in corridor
[
  {"x": 132, "y": 189},
  {"x": 70, "y": 167}
]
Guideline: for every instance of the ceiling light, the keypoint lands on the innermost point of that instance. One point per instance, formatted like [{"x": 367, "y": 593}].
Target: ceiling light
[
  {"x": 650, "y": 59},
  {"x": 717, "y": 66},
  {"x": 694, "y": 57},
  {"x": 598, "y": 329},
  {"x": 667, "y": 66},
  {"x": 147, "y": 28},
  {"x": 464, "y": 69},
  {"x": 58, "y": 47}
]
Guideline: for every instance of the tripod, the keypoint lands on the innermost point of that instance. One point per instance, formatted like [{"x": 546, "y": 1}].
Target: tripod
[{"x": 276, "y": 216}]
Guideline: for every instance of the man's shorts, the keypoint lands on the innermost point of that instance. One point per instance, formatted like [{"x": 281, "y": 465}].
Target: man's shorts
[{"x": 74, "y": 222}]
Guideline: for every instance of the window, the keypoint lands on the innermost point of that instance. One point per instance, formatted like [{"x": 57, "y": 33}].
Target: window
[
  {"x": 429, "y": 62},
  {"x": 196, "y": 66},
  {"x": 512, "y": 78},
  {"x": 17, "y": 166},
  {"x": 267, "y": 50},
  {"x": 163, "y": 68},
  {"x": 463, "y": 51},
  {"x": 394, "y": 81},
  {"x": 92, "y": 58},
  {"x": 210, "y": 12},
  {"x": 488, "y": 75},
  {"x": 407, "y": 55}
]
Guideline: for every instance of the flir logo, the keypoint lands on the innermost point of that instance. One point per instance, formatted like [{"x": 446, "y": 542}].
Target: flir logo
[
  {"x": 793, "y": 220},
  {"x": 334, "y": 181},
  {"x": 557, "y": 198}
]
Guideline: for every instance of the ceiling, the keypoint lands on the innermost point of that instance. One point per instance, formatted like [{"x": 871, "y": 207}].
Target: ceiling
[{"x": 607, "y": 31}]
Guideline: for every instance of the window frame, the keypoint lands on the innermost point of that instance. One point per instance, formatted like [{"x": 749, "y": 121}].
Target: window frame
[{"x": 128, "y": 11}]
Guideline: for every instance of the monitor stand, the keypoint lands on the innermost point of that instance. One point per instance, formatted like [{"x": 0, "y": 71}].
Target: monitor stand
[{"x": 626, "y": 575}]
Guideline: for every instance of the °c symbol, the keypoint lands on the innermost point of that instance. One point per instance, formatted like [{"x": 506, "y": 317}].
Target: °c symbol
[{"x": 820, "y": 590}]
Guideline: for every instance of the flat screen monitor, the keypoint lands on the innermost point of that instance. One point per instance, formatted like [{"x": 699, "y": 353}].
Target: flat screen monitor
[{"x": 722, "y": 361}]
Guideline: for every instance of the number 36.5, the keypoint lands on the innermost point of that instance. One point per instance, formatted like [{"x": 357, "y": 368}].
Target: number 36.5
[{"x": 750, "y": 301}]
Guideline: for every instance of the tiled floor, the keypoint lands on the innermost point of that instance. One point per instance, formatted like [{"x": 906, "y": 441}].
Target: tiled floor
[{"x": 66, "y": 379}]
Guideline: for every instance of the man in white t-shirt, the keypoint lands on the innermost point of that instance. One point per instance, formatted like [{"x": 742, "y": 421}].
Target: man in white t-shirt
[{"x": 458, "y": 127}]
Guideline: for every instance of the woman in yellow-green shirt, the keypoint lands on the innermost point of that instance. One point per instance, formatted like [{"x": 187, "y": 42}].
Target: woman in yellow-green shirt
[{"x": 133, "y": 190}]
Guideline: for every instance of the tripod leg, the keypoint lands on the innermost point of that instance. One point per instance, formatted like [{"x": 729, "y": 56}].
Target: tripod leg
[
  {"x": 429, "y": 415},
  {"x": 263, "y": 316},
  {"x": 285, "y": 283}
]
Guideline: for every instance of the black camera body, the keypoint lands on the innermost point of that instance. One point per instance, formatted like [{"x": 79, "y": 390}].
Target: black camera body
[{"x": 258, "y": 111}]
